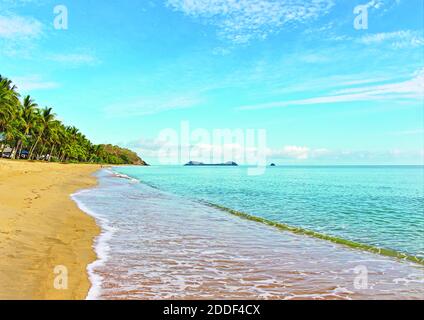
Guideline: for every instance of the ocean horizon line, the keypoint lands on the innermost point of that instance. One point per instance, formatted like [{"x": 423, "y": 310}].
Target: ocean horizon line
[{"x": 282, "y": 165}]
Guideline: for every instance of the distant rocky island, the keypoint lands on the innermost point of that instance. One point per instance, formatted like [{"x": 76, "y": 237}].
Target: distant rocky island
[{"x": 197, "y": 163}]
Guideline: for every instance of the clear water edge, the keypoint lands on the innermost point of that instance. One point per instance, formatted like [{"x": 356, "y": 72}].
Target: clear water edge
[
  {"x": 103, "y": 249},
  {"x": 382, "y": 206}
]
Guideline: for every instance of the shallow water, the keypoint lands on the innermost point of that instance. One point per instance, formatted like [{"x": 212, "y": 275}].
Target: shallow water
[
  {"x": 159, "y": 245},
  {"x": 381, "y": 206}
]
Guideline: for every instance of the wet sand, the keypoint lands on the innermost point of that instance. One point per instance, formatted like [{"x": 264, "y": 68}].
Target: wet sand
[{"x": 42, "y": 228}]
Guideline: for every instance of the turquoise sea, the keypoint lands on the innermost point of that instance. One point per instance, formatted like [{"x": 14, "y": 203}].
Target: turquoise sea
[
  {"x": 160, "y": 239},
  {"x": 378, "y": 205}
]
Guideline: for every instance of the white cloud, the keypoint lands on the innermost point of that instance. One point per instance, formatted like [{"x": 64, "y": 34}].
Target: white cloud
[
  {"x": 410, "y": 132},
  {"x": 383, "y": 156},
  {"x": 18, "y": 35},
  {"x": 298, "y": 153},
  {"x": 33, "y": 82},
  {"x": 364, "y": 80},
  {"x": 413, "y": 88},
  {"x": 409, "y": 89},
  {"x": 148, "y": 147},
  {"x": 324, "y": 155},
  {"x": 149, "y": 106},
  {"x": 291, "y": 152},
  {"x": 397, "y": 39},
  {"x": 383, "y": 5},
  {"x": 17, "y": 27},
  {"x": 226, "y": 151},
  {"x": 331, "y": 83},
  {"x": 153, "y": 148},
  {"x": 375, "y": 4},
  {"x": 75, "y": 58},
  {"x": 201, "y": 151},
  {"x": 7, "y": 5},
  {"x": 242, "y": 21}
]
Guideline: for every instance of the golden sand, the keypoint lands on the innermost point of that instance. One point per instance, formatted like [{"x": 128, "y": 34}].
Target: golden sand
[{"x": 41, "y": 228}]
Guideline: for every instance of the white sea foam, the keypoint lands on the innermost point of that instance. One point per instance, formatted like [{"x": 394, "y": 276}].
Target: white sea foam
[
  {"x": 122, "y": 176},
  {"x": 168, "y": 247},
  {"x": 101, "y": 247}
]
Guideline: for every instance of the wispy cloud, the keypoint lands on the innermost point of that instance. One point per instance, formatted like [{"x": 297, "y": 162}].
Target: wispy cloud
[
  {"x": 17, "y": 27},
  {"x": 304, "y": 153},
  {"x": 75, "y": 59},
  {"x": 206, "y": 152},
  {"x": 148, "y": 105},
  {"x": 242, "y": 21},
  {"x": 33, "y": 82},
  {"x": 397, "y": 39},
  {"x": 232, "y": 151},
  {"x": 413, "y": 88},
  {"x": 334, "y": 82},
  {"x": 18, "y": 35},
  {"x": 291, "y": 152},
  {"x": 410, "y": 132},
  {"x": 375, "y": 4},
  {"x": 12, "y": 4},
  {"x": 409, "y": 89}
]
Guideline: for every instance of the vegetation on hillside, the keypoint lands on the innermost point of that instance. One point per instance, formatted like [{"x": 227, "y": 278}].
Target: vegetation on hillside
[
  {"x": 30, "y": 132},
  {"x": 118, "y": 155}
]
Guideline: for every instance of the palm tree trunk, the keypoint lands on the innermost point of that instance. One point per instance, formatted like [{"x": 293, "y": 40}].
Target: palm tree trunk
[
  {"x": 3, "y": 146},
  {"x": 18, "y": 150},
  {"x": 51, "y": 152},
  {"x": 33, "y": 147},
  {"x": 42, "y": 152},
  {"x": 13, "y": 153}
]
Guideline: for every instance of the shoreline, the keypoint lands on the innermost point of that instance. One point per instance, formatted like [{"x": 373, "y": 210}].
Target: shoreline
[
  {"x": 41, "y": 228},
  {"x": 360, "y": 246},
  {"x": 100, "y": 246},
  {"x": 201, "y": 252},
  {"x": 44, "y": 224}
]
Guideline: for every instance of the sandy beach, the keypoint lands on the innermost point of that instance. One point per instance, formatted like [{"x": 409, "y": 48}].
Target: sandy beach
[{"x": 42, "y": 228}]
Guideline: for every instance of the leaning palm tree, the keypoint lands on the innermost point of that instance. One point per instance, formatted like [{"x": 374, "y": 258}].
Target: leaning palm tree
[
  {"x": 46, "y": 119},
  {"x": 28, "y": 122},
  {"x": 12, "y": 133},
  {"x": 54, "y": 137},
  {"x": 24, "y": 125},
  {"x": 9, "y": 100}
]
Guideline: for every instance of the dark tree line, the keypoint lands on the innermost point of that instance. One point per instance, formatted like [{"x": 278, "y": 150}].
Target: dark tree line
[{"x": 34, "y": 133}]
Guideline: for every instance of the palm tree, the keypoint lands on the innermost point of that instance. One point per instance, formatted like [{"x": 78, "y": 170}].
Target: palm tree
[
  {"x": 54, "y": 136},
  {"x": 28, "y": 121},
  {"x": 46, "y": 119},
  {"x": 23, "y": 125},
  {"x": 8, "y": 103}
]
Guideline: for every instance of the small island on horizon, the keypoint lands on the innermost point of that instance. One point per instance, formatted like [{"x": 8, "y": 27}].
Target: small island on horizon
[{"x": 197, "y": 163}]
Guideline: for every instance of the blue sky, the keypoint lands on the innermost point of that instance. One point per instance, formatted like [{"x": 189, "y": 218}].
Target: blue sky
[{"x": 325, "y": 92}]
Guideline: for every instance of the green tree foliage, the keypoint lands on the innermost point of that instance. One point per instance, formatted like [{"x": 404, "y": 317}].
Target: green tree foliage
[{"x": 35, "y": 133}]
